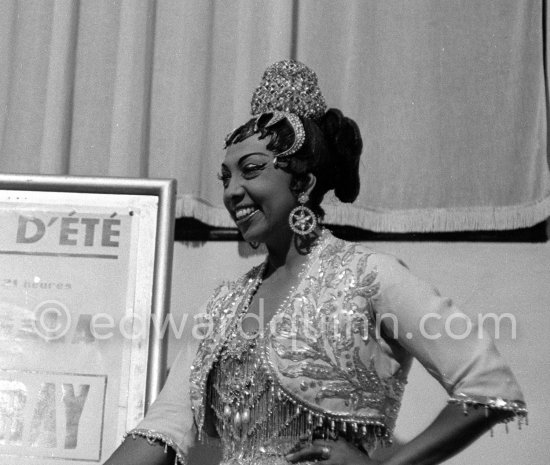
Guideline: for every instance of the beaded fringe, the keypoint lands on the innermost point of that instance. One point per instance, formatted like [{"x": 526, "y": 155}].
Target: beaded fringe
[
  {"x": 153, "y": 437},
  {"x": 412, "y": 220},
  {"x": 267, "y": 417},
  {"x": 517, "y": 409}
]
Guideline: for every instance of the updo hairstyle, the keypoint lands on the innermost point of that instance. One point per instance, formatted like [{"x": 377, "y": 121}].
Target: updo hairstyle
[{"x": 331, "y": 152}]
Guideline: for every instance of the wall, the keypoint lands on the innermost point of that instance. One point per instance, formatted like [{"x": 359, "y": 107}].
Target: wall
[{"x": 481, "y": 277}]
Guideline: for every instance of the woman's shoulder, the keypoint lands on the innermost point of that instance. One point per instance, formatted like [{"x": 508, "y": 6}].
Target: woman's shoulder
[
  {"x": 366, "y": 257},
  {"x": 373, "y": 270}
]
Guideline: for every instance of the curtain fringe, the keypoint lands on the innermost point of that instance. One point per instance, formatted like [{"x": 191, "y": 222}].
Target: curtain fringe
[
  {"x": 418, "y": 220},
  {"x": 441, "y": 219},
  {"x": 202, "y": 210}
]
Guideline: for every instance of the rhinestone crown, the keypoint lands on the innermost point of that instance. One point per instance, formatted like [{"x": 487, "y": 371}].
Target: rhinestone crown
[{"x": 289, "y": 86}]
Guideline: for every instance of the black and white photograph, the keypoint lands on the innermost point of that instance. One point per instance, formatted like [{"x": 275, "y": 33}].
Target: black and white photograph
[{"x": 252, "y": 232}]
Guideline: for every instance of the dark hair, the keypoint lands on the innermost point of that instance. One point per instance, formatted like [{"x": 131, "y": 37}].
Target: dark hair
[{"x": 331, "y": 152}]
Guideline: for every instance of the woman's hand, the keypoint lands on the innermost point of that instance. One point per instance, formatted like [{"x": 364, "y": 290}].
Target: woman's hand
[{"x": 339, "y": 452}]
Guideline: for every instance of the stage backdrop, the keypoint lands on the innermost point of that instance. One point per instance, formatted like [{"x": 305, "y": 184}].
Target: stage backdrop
[{"x": 450, "y": 95}]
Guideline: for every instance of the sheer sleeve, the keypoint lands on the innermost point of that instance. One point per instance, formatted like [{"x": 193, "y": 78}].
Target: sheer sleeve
[
  {"x": 169, "y": 419},
  {"x": 460, "y": 356}
]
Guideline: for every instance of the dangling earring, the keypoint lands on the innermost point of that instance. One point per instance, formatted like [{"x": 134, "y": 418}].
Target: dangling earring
[{"x": 302, "y": 220}]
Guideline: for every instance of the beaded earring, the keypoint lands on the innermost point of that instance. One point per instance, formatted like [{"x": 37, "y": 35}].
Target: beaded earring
[{"x": 302, "y": 220}]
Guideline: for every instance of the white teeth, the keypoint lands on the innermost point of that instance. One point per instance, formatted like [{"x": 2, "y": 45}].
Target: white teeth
[{"x": 242, "y": 212}]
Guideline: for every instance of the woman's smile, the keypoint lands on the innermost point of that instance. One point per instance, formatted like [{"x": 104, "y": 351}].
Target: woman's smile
[{"x": 243, "y": 214}]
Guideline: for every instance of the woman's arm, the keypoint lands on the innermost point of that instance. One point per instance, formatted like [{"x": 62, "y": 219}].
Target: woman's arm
[
  {"x": 167, "y": 429},
  {"x": 448, "y": 434},
  {"x": 470, "y": 369},
  {"x": 140, "y": 451}
]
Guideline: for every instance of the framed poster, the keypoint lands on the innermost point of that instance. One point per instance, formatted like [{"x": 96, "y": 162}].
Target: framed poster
[{"x": 85, "y": 269}]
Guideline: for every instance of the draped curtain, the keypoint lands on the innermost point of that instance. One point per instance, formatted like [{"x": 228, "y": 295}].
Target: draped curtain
[{"x": 450, "y": 95}]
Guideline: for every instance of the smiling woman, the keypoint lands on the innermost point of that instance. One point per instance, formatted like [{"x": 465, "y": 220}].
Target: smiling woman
[{"x": 302, "y": 363}]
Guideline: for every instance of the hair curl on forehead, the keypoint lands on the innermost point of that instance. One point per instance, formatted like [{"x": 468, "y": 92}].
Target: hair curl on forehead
[{"x": 281, "y": 136}]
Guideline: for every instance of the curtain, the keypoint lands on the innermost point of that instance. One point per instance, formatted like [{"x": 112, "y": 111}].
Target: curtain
[
  {"x": 450, "y": 96},
  {"x": 451, "y": 99}
]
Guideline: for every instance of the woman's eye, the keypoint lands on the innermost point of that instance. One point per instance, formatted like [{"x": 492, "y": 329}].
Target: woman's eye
[
  {"x": 252, "y": 169},
  {"x": 224, "y": 178}
]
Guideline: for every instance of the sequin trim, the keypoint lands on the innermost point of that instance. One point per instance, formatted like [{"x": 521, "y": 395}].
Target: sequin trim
[
  {"x": 265, "y": 460},
  {"x": 317, "y": 413},
  {"x": 517, "y": 408},
  {"x": 154, "y": 436}
]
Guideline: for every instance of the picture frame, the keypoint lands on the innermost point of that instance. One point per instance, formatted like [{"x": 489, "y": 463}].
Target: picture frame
[{"x": 85, "y": 275}]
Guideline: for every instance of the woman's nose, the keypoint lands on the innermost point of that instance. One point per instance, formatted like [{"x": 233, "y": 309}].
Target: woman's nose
[{"x": 234, "y": 190}]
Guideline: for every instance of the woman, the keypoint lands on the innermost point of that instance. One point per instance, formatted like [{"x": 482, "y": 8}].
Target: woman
[{"x": 308, "y": 353}]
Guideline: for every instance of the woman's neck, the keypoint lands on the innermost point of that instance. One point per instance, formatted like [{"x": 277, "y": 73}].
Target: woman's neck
[{"x": 290, "y": 250}]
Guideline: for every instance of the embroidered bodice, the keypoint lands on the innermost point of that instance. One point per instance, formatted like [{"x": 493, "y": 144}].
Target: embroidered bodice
[{"x": 325, "y": 363}]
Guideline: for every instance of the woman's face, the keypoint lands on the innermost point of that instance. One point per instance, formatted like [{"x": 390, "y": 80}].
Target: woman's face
[{"x": 255, "y": 192}]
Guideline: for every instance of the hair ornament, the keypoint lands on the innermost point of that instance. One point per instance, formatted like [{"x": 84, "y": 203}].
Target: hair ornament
[
  {"x": 289, "y": 86},
  {"x": 296, "y": 125}
]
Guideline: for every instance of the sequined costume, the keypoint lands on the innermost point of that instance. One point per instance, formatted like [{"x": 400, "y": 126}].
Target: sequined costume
[{"x": 323, "y": 365}]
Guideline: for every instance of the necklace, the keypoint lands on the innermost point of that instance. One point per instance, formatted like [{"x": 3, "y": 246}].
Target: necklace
[{"x": 255, "y": 283}]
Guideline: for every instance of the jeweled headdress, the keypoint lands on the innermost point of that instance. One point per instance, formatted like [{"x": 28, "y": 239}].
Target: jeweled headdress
[
  {"x": 289, "y": 86},
  {"x": 288, "y": 90}
]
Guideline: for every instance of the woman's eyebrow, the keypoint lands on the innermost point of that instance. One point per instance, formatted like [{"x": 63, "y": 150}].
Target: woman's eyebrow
[{"x": 250, "y": 154}]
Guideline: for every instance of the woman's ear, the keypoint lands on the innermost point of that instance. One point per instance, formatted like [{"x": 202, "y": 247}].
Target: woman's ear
[
  {"x": 303, "y": 183},
  {"x": 311, "y": 180}
]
